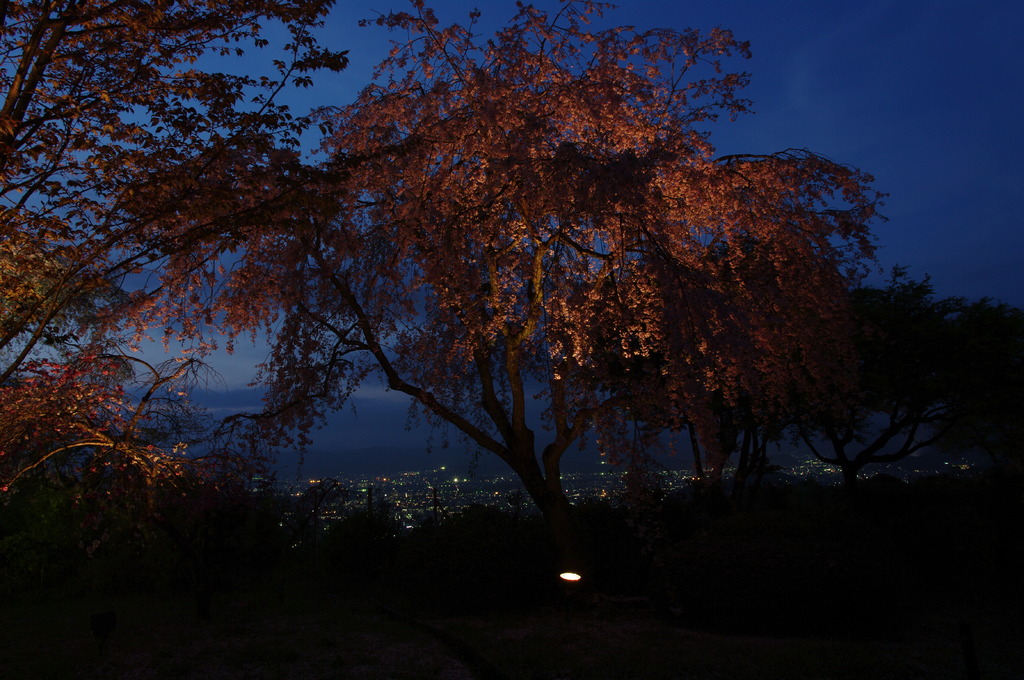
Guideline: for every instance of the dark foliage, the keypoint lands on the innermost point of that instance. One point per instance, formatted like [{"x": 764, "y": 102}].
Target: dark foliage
[
  {"x": 56, "y": 541},
  {"x": 618, "y": 563},
  {"x": 478, "y": 560},
  {"x": 931, "y": 372},
  {"x": 959, "y": 536},
  {"x": 362, "y": 545},
  {"x": 809, "y": 560},
  {"x": 825, "y": 572},
  {"x": 40, "y": 536},
  {"x": 816, "y": 561}
]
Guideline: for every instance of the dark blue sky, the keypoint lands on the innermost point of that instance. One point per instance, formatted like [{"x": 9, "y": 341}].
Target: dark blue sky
[{"x": 926, "y": 95}]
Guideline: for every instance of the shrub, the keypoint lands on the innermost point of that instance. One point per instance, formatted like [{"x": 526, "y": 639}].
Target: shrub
[
  {"x": 478, "y": 560},
  {"x": 789, "y": 573}
]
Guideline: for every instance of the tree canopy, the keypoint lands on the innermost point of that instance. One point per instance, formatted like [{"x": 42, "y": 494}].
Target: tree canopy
[
  {"x": 930, "y": 371},
  {"x": 502, "y": 218},
  {"x": 125, "y": 161}
]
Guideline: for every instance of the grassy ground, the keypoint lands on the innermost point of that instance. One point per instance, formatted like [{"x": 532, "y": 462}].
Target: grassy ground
[{"x": 324, "y": 637}]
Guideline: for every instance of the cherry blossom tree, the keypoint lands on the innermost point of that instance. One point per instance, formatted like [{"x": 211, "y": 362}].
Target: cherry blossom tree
[
  {"x": 540, "y": 218},
  {"x": 124, "y": 162},
  {"x": 79, "y": 419}
]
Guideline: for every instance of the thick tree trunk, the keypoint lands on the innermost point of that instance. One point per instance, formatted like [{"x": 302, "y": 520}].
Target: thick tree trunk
[
  {"x": 850, "y": 472},
  {"x": 550, "y": 498},
  {"x": 761, "y": 468},
  {"x": 558, "y": 513},
  {"x": 743, "y": 468},
  {"x": 698, "y": 466}
]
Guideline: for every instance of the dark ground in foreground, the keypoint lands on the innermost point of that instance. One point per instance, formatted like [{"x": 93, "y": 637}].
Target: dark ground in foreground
[{"x": 345, "y": 636}]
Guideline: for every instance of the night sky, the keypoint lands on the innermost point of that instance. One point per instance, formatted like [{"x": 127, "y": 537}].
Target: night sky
[{"x": 924, "y": 95}]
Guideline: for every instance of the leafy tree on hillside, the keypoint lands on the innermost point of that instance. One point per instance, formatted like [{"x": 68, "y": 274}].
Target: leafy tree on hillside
[{"x": 930, "y": 370}]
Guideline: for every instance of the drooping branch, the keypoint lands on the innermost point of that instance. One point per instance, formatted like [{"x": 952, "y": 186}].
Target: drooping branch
[{"x": 397, "y": 383}]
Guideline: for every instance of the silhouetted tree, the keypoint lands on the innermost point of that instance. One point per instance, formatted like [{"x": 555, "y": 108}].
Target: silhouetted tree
[
  {"x": 993, "y": 377},
  {"x": 928, "y": 368}
]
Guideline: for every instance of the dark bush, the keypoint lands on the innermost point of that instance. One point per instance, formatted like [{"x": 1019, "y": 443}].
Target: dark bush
[
  {"x": 617, "y": 558},
  {"x": 959, "y": 536},
  {"x": 790, "y": 573},
  {"x": 363, "y": 545},
  {"x": 478, "y": 560},
  {"x": 41, "y": 538}
]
